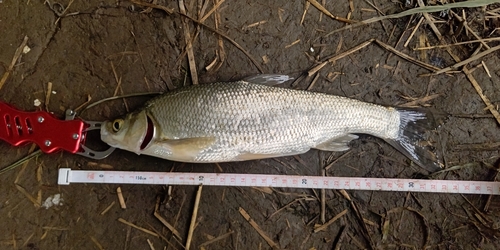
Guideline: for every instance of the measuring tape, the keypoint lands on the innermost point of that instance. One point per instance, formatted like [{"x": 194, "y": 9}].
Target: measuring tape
[{"x": 67, "y": 176}]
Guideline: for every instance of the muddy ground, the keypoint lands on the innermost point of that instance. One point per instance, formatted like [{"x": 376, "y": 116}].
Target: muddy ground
[{"x": 79, "y": 46}]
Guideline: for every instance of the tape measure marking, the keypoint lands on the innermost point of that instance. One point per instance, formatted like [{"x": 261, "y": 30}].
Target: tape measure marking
[{"x": 67, "y": 176}]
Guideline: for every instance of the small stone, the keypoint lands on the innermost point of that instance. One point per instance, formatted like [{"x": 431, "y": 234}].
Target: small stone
[
  {"x": 26, "y": 49},
  {"x": 53, "y": 200},
  {"x": 37, "y": 103}
]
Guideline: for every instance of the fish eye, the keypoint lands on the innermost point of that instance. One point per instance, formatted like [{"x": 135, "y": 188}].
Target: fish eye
[{"x": 117, "y": 125}]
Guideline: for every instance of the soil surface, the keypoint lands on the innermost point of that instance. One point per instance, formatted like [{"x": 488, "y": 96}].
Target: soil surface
[{"x": 103, "y": 48}]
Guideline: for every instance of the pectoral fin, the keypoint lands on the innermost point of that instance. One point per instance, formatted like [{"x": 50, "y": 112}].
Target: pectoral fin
[
  {"x": 185, "y": 150},
  {"x": 337, "y": 144}
]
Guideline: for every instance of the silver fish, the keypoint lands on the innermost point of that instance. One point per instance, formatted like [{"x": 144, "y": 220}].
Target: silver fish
[{"x": 248, "y": 119}]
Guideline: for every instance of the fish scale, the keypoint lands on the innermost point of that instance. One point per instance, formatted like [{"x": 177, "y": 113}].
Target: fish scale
[
  {"x": 234, "y": 121},
  {"x": 258, "y": 119}
]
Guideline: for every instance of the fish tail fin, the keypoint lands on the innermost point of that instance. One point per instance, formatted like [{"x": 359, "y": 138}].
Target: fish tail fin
[{"x": 415, "y": 129}]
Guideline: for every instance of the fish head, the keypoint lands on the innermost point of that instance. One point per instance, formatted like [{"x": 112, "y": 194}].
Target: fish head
[{"x": 127, "y": 133}]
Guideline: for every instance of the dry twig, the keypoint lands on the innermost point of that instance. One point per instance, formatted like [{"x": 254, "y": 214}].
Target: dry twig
[
  {"x": 336, "y": 57},
  {"x": 306, "y": 8},
  {"x": 326, "y": 12},
  {"x": 470, "y": 59},
  {"x": 360, "y": 218},
  {"x": 413, "y": 32},
  {"x": 216, "y": 6},
  {"x": 420, "y": 101},
  {"x": 459, "y": 43},
  {"x": 29, "y": 196},
  {"x": 137, "y": 227},
  {"x": 313, "y": 82},
  {"x": 163, "y": 237},
  {"x": 118, "y": 85},
  {"x": 323, "y": 200},
  {"x": 338, "y": 244},
  {"x": 229, "y": 39},
  {"x": 97, "y": 244},
  {"x": 284, "y": 207},
  {"x": 478, "y": 146},
  {"x": 468, "y": 73},
  {"x": 258, "y": 229},
  {"x": 193, "y": 217},
  {"x": 293, "y": 43},
  {"x": 215, "y": 30},
  {"x": 405, "y": 56},
  {"x": 165, "y": 222},
  {"x": 120, "y": 198},
  {"x": 189, "y": 45},
  {"x": 427, "y": 231},
  {"x": 426, "y": 9},
  {"x": 154, "y": 6},
  {"x": 107, "y": 208},
  {"x": 220, "y": 53},
  {"x": 89, "y": 98},
  {"x": 486, "y": 69},
  {"x": 16, "y": 56},
  {"x": 47, "y": 96},
  {"x": 221, "y": 237},
  {"x": 479, "y": 91},
  {"x": 331, "y": 221},
  {"x": 150, "y": 245}
]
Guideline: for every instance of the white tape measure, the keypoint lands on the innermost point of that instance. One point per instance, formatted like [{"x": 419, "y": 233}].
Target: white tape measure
[{"x": 67, "y": 176}]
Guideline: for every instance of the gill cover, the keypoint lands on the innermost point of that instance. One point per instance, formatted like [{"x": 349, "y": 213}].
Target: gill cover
[{"x": 133, "y": 133}]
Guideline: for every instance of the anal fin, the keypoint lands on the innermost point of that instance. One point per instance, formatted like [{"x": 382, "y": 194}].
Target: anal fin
[
  {"x": 245, "y": 156},
  {"x": 337, "y": 143},
  {"x": 251, "y": 156}
]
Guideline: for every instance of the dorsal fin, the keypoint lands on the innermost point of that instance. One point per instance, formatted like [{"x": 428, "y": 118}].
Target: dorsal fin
[{"x": 268, "y": 79}]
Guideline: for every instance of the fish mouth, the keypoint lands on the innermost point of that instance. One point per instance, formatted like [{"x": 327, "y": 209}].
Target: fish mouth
[
  {"x": 106, "y": 135},
  {"x": 149, "y": 133}
]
